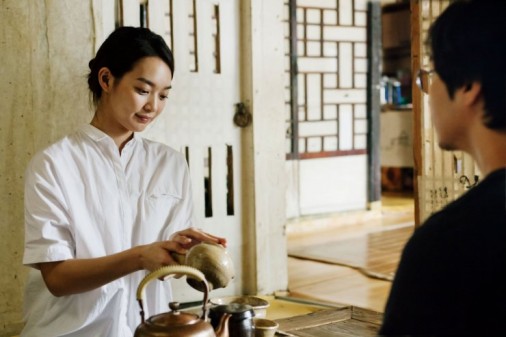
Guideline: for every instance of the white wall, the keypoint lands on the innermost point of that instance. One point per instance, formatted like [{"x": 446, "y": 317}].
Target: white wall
[
  {"x": 45, "y": 47},
  {"x": 333, "y": 184}
]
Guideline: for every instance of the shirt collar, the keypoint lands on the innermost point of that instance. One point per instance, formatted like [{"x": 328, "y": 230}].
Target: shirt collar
[{"x": 98, "y": 135}]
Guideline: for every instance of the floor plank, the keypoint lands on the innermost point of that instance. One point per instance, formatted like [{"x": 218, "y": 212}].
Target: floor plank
[{"x": 339, "y": 284}]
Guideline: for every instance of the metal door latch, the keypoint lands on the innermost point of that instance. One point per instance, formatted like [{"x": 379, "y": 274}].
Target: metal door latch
[{"x": 242, "y": 117}]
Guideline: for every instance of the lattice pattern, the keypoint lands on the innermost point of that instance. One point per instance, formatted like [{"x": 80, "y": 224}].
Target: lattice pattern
[{"x": 331, "y": 57}]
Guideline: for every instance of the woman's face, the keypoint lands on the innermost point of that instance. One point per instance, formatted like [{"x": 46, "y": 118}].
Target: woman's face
[{"x": 136, "y": 99}]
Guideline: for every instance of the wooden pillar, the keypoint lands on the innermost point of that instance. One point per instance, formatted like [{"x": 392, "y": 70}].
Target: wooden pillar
[
  {"x": 263, "y": 146},
  {"x": 373, "y": 104},
  {"x": 416, "y": 42}
]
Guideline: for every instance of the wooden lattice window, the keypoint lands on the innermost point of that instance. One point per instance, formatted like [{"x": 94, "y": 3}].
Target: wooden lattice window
[{"x": 326, "y": 78}]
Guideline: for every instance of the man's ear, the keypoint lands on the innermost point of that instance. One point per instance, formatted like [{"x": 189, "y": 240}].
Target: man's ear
[
  {"x": 105, "y": 79},
  {"x": 471, "y": 93}
]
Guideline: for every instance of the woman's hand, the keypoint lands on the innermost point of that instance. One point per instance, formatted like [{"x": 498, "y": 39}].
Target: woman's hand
[
  {"x": 79, "y": 275},
  {"x": 157, "y": 254},
  {"x": 191, "y": 236},
  {"x": 75, "y": 276}
]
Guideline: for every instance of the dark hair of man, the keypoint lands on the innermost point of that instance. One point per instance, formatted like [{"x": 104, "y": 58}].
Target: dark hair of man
[
  {"x": 121, "y": 51},
  {"x": 468, "y": 44}
]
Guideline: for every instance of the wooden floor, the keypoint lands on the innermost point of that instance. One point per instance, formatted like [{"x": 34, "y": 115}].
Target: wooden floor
[{"x": 337, "y": 284}]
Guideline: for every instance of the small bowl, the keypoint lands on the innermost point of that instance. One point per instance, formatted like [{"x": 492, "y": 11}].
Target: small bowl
[
  {"x": 259, "y": 305},
  {"x": 265, "y": 327}
]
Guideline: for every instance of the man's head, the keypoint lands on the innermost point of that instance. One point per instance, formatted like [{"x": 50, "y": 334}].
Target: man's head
[{"x": 467, "y": 43}]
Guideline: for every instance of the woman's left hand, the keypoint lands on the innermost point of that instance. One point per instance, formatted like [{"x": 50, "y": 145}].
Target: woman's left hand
[{"x": 192, "y": 236}]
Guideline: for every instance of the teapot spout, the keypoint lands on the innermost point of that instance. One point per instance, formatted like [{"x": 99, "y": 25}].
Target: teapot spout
[{"x": 222, "y": 329}]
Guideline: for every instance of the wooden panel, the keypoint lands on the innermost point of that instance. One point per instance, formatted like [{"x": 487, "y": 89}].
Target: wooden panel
[{"x": 375, "y": 254}]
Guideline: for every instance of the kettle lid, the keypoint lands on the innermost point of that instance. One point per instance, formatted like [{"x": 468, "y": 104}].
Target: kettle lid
[{"x": 175, "y": 318}]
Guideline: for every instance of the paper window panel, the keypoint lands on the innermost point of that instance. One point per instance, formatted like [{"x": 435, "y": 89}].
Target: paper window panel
[
  {"x": 360, "y": 81},
  {"x": 313, "y": 16},
  {"x": 360, "y": 49},
  {"x": 315, "y": 129},
  {"x": 331, "y": 77},
  {"x": 330, "y": 143},
  {"x": 345, "y": 12},
  {"x": 314, "y": 144},
  {"x": 314, "y": 97},
  {"x": 330, "y": 112},
  {"x": 330, "y": 81},
  {"x": 361, "y": 19},
  {"x": 317, "y": 3},
  {"x": 330, "y": 49},
  {"x": 360, "y": 141},
  {"x": 345, "y": 65},
  {"x": 329, "y": 17},
  {"x": 314, "y": 49}
]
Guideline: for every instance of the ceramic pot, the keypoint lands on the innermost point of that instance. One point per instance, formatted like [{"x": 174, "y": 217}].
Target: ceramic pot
[{"x": 212, "y": 260}]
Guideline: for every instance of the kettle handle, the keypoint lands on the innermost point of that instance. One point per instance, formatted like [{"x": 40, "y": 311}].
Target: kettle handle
[{"x": 169, "y": 270}]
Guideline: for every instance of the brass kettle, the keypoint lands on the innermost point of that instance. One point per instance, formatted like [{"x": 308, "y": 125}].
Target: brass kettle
[{"x": 178, "y": 323}]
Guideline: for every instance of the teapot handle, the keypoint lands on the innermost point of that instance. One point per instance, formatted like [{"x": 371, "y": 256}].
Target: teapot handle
[{"x": 169, "y": 270}]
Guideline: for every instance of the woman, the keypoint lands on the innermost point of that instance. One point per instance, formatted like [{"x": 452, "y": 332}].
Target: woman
[{"x": 104, "y": 206}]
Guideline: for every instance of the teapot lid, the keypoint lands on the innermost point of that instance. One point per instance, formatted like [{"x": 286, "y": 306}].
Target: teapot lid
[{"x": 175, "y": 318}]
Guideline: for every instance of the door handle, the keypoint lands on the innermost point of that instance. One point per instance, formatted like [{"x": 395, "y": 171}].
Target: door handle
[{"x": 242, "y": 118}]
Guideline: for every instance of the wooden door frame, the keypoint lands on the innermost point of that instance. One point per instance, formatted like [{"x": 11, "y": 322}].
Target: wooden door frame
[
  {"x": 373, "y": 104},
  {"x": 416, "y": 29}
]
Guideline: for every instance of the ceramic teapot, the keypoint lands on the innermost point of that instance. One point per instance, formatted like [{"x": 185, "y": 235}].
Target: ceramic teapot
[
  {"x": 177, "y": 323},
  {"x": 212, "y": 260}
]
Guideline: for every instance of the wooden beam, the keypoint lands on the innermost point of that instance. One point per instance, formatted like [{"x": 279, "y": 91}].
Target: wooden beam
[
  {"x": 373, "y": 102},
  {"x": 416, "y": 49}
]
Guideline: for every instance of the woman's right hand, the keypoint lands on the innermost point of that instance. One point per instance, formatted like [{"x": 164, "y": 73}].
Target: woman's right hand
[
  {"x": 75, "y": 276},
  {"x": 158, "y": 254}
]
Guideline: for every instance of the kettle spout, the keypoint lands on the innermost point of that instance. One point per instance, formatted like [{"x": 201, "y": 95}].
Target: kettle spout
[{"x": 222, "y": 329}]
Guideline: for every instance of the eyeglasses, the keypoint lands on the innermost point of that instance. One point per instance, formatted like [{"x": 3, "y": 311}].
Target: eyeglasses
[{"x": 423, "y": 78}]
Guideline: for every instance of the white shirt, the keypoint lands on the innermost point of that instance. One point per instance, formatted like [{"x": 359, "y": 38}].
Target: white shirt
[{"x": 84, "y": 200}]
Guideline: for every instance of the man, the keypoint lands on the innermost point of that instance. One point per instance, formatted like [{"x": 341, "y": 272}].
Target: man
[{"x": 452, "y": 276}]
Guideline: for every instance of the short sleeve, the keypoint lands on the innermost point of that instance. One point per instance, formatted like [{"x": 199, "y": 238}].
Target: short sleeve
[{"x": 48, "y": 236}]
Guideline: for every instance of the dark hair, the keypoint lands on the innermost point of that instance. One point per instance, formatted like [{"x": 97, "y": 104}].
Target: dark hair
[
  {"x": 120, "y": 52},
  {"x": 467, "y": 44}
]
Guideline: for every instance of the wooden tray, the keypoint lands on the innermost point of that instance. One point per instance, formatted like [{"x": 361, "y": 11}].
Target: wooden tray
[{"x": 348, "y": 321}]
